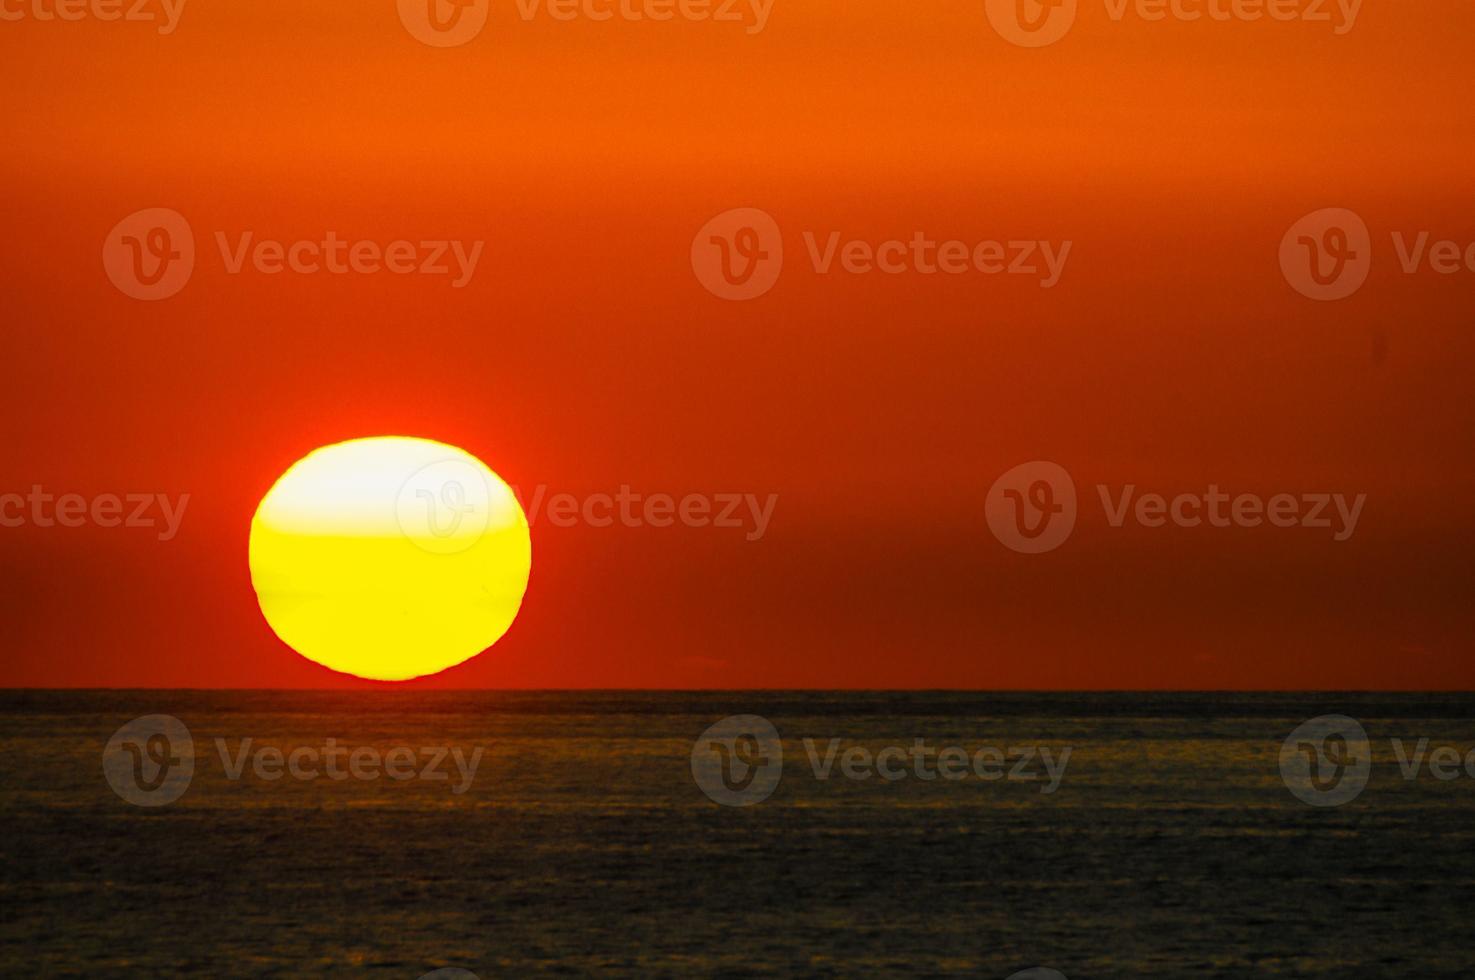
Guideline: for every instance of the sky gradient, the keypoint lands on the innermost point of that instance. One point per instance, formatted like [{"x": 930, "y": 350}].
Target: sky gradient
[{"x": 584, "y": 355}]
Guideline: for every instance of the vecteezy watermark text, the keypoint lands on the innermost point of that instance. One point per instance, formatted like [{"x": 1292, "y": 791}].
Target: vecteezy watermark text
[
  {"x": 926, "y": 762},
  {"x": 739, "y": 254},
  {"x": 336, "y": 256},
  {"x": 926, "y": 256},
  {"x": 1327, "y": 761},
  {"x": 151, "y": 760},
  {"x": 739, "y": 761},
  {"x": 451, "y": 23},
  {"x": 150, "y": 255},
  {"x": 1032, "y": 508},
  {"x": 1037, "y": 23},
  {"x": 40, "y": 508},
  {"x": 1215, "y": 508},
  {"x": 1327, "y": 255},
  {"x": 751, "y": 14},
  {"x": 362, "y": 762},
  {"x": 165, "y": 12},
  {"x": 627, "y": 508}
]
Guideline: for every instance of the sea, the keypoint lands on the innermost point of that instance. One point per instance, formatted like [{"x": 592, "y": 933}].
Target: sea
[{"x": 395, "y": 834}]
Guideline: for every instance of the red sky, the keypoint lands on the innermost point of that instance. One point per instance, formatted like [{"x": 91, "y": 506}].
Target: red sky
[{"x": 585, "y": 355}]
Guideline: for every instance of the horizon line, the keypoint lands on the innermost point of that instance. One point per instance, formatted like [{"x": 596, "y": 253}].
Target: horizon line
[{"x": 391, "y": 687}]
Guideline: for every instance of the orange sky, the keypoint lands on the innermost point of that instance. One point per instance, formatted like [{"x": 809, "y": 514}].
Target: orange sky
[{"x": 585, "y": 355}]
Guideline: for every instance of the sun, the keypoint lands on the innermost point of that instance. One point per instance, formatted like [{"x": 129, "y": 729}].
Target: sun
[{"x": 390, "y": 557}]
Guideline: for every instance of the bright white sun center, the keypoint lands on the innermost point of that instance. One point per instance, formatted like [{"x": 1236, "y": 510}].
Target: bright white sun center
[{"x": 390, "y": 557}]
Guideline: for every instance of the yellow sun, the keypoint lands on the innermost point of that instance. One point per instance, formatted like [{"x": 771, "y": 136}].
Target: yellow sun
[{"x": 390, "y": 557}]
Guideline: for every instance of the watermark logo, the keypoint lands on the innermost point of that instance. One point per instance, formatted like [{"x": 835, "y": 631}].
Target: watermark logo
[
  {"x": 445, "y": 507},
  {"x": 444, "y": 23},
  {"x": 1326, "y": 761},
  {"x": 150, "y": 254},
  {"x": 450, "y": 973},
  {"x": 738, "y": 761},
  {"x": 738, "y": 254},
  {"x": 1032, "y": 508},
  {"x": 1327, "y": 254},
  {"x": 1031, "y": 23},
  {"x": 150, "y": 760},
  {"x": 1037, "y": 973}
]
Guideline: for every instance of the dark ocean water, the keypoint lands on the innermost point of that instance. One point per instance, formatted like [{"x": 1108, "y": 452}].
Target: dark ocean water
[{"x": 584, "y": 845}]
